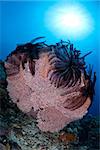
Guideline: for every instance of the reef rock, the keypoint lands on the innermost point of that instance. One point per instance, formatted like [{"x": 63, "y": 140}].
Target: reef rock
[{"x": 50, "y": 82}]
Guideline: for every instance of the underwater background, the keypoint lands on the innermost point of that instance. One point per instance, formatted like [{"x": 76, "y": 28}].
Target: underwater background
[{"x": 22, "y": 21}]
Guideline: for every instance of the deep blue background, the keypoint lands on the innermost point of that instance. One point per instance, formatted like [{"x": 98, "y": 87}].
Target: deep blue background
[{"x": 22, "y": 21}]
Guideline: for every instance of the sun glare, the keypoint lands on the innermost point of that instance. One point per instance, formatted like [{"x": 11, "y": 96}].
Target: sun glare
[{"x": 71, "y": 21}]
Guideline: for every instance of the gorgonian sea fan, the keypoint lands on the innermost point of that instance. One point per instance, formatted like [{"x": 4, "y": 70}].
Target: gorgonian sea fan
[
  {"x": 66, "y": 64},
  {"x": 31, "y": 67}
]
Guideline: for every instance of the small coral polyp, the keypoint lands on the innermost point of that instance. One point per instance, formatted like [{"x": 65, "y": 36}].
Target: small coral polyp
[{"x": 51, "y": 82}]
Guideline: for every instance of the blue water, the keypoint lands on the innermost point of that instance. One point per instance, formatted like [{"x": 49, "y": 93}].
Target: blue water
[{"x": 22, "y": 21}]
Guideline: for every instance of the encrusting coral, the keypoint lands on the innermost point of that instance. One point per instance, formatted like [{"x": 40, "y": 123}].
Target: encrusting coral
[{"x": 51, "y": 82}]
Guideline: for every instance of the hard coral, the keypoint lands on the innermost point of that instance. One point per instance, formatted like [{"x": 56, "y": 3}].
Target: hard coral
[{"x": 55, "y": 84}]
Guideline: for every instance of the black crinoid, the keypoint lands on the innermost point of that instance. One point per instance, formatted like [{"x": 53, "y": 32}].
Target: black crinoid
[
  {"x": 67, "y": 64},
  {"x": 26, "y": 53}
]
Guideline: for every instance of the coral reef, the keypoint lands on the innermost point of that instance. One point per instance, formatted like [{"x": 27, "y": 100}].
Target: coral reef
[
  {"x": 19, "y": 131},
  {"x": 50, "y": 82}
]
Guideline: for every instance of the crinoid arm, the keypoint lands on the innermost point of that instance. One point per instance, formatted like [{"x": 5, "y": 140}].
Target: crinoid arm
[
  {"x": 66, "y": 60},
  {"x": 24, "y": 53},
  {"x": 69, "y": 72}
]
